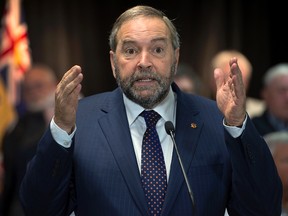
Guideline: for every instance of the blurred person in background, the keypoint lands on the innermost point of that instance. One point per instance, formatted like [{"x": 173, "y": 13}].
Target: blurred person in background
[
  {"x": 187, "y": 79},
  {"x": 275, "y": 95},
  {"x": 19, "y": 145},
  {"x": 278, "y": 145},
  {"x": 254, "y": 106}
]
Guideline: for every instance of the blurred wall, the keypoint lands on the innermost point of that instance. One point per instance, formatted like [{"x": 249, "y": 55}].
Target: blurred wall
[{"x": 64, "y": 33}]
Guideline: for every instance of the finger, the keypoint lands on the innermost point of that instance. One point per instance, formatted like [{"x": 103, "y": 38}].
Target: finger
[
  {"x": 74, "y": 85},
  {"x": 236, "y": 78},
  {"x": 76, "y": 69},
  {"x": 71, "y": 80},
  {"x": 235, "y": 72},
  {"x": 70, "y": 75}
]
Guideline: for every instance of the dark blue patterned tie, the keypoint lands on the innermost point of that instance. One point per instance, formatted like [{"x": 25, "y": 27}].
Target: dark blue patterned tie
[{"x": 153, "y": 170}]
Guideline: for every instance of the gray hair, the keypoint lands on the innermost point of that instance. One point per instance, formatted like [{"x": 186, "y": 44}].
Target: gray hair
[
  {"x": 275, "y": 139},
  {"x": 145, "y": 11},
  {"x": 274, "y": 72}
]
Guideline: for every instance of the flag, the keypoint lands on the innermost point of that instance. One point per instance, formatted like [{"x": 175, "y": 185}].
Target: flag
[
  {"x": 15, "y": 58},
  {"x": 7, "y": 112}
]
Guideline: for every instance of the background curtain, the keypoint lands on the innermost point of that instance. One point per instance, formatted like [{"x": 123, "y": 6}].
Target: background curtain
[{"x": 64, "y": 33}]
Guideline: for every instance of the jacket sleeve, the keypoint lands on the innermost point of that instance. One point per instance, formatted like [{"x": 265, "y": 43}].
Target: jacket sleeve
[
  {"x": 256, "y": 186},
  {"x": 46, "y": 187}
]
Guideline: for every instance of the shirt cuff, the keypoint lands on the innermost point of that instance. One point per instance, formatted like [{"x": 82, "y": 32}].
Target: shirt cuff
[
  {"x": 235, "y": 131},
  {"x": 61, "y": 136}
]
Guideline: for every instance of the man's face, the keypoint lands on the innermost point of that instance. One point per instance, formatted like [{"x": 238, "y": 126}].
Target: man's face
[
  {"x": 275, "y": 95},
  {"x": 144, "y": 62},
  {"x": 39, "y": 89}
]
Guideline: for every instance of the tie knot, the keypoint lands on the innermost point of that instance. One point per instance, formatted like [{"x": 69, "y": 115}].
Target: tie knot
[{"x": 151, "y": 117}]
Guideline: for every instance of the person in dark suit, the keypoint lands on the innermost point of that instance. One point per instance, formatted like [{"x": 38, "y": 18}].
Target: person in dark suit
[
  {"x": 20, "y": 144},
  {"x": 275, "y": 94},
  {"x": 89, "y": 159},
  {"x": 278, "y": 145}
]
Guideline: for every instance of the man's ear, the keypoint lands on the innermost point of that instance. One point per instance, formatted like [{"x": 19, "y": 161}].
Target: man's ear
[
  {"x": 177, "y": 54},
  {"x": 112, "y": 62}
]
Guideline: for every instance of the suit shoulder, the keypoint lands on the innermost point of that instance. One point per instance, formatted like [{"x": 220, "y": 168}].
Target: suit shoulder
[
  {"x": 95, "y": 98},
  {"x": 198, "y": 100},
  {"x": 104, "y": 101}
]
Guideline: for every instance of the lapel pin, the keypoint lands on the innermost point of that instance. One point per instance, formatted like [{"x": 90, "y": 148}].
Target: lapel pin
[{"x": 193, "y": 125}]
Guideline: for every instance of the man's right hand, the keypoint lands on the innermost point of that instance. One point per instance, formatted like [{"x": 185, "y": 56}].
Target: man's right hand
[{"x": 66, "y": 99}]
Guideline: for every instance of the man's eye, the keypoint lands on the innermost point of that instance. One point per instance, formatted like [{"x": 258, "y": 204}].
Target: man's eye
[
  {"x": 159, "y": 50},
  {"x": 130, "y": 51}
]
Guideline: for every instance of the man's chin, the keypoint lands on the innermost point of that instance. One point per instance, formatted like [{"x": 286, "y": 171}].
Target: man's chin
[{"x": 145, "y": 94}]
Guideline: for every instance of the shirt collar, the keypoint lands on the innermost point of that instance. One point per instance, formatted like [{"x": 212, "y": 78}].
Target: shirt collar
[{"x": 166, "y": 108}]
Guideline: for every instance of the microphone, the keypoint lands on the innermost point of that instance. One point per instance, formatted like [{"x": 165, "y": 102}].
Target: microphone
[{"x": 170, "y": 130}]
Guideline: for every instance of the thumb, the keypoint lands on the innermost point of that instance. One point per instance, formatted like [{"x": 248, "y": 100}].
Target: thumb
[{"x": 219, "y": 77}]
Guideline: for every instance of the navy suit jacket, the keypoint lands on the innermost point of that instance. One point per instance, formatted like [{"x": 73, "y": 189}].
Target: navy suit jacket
[{"x": 98, "y": 174}]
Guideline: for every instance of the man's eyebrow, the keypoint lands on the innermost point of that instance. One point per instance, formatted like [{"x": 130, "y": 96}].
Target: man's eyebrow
[
  {"x": 164, "y": 39},
  {"x": 131, "y": 41},
  {"x": 128, "y": 41}
]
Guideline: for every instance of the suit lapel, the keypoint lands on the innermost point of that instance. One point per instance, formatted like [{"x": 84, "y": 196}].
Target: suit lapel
[
  {"x": 116, "y": 129},
  {"x": 188, "y": 128}
]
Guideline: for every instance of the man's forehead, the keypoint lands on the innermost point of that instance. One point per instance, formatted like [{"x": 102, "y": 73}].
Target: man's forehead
[{"x": 143, "y": 25}]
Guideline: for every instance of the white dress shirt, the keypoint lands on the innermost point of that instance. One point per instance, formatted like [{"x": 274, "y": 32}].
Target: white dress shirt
[{"x": 167, "y": 110}]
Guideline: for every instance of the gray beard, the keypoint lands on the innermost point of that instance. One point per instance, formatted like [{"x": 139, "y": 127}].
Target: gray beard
[{"x": 161, "y": 91}]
